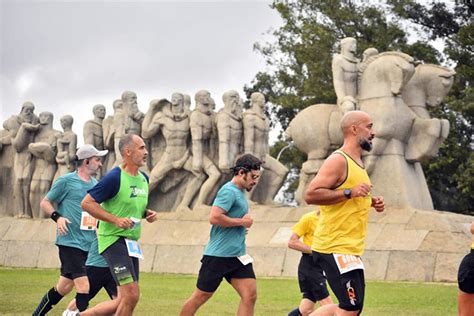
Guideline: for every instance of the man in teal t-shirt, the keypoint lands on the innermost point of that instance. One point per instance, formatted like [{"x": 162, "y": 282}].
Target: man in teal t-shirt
[
  {"x": 119, "y": 201},
  {"x": 75, "y": 228},
  {"x": 225, "y": 254}
]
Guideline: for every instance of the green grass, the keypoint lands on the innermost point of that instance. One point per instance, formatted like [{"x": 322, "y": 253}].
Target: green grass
[{"x": 163, "y": 294}]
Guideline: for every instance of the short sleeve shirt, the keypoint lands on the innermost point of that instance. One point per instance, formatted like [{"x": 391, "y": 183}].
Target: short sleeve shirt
[
  {"x": 228, "y": 241},
  {"x": 306, "y": 226},
  {"x": 67, "y": 192}
]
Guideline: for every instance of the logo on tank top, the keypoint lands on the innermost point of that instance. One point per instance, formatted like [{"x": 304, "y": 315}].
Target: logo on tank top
[{"x": 136, "y": 192}]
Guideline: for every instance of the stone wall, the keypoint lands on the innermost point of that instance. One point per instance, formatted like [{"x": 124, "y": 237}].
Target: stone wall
[{"x": 402, "y": 244}]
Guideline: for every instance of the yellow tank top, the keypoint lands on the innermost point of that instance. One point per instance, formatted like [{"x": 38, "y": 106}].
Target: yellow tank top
[
  {"x": 305, "y": 227},
  {"x": 342, "y": 227}
]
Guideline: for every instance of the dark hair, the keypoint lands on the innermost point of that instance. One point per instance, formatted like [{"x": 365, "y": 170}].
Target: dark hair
[{"x": 246, "y": 162}]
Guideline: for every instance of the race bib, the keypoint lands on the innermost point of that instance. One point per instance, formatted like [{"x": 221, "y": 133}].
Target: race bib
[
  {"x": 134, "y": 249},
  {"x": 347, "y": 263},
  {"x": 88, "y": 222},
  {"x": 245, "y": 259}
]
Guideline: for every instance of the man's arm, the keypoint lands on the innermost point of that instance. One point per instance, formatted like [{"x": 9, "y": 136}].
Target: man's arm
[
  {"x": 331, "y": 174},
  {"x": 295, "y": 243},
  {"x": 89, "y": 205},
  {"x": 47, "y": 207},
  {"x": 218, "y": 217}
]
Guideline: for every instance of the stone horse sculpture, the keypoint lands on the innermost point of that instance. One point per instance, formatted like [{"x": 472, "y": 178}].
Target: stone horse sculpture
[{"x": 390, "y": 90}]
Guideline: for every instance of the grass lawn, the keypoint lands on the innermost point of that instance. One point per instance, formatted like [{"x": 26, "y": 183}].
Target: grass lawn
[{"x": 163, "y": 294}]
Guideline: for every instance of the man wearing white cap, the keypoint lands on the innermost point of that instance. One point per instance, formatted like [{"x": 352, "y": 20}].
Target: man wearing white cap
[{"x": 75, "y": 228}]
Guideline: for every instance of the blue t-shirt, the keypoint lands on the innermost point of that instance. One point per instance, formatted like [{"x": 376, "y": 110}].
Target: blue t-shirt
[
  {"x": 67, "y": 192},
  {"x": 94, "y": 259},
  {"x": 228, "y": 241}
]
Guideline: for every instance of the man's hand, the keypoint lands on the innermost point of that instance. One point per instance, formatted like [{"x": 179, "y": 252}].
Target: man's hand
[
  {"x": 378, "y": 203},
  {"x": 62, "y": 225},
  {"x": 150, "y": 216},
  {"x": 247, "y": 221},
  {"x": 124, "y": 222},
  {"x": 361, "y": 190}
]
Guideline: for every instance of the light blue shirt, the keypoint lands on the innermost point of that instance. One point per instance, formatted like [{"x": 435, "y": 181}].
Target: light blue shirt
[
  {"x": 228, "y": 241},
  {"x": 94, "y": 259},
  {"x": 67, "y": 192}
]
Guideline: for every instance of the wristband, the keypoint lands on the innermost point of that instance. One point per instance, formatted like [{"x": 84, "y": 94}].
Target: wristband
[{"x": 55, "y": 216}]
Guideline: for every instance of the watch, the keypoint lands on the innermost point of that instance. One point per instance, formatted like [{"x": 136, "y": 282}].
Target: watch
[{"x": 347, "y": 193}]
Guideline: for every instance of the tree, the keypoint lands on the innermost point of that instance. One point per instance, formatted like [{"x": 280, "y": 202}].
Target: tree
[{"x": 300, "y": 61}]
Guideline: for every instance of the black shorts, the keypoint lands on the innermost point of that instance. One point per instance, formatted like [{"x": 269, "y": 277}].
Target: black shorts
[
  {"x": 466, "y": 273},
  {"x": 100, "y": 277},
  {"x": 73, "y": 262},
  {"x": 311, "y": 279},
  {"x": 213, "y": 269},
  {"x": 124, "y": 268},
  {"x": 348, "y": 287}
]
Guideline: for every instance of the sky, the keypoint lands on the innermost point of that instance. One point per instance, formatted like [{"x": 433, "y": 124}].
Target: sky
[{"x": 66, "y": 56}]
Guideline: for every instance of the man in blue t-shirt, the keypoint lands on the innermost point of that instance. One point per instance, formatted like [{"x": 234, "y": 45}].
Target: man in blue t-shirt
[
  {"x": 75, "y": 228},
  {"x": 225, "y": 255}
]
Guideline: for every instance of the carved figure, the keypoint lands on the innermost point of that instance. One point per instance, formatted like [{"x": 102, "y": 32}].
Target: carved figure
[
  {"x": 229, "y": 130},
  {"x": 256, "y": 129},
  {"x": 93, "y": 131},
  {"x": 44, "y": 164},
  {"x": 344, "y": 72},
  {"x": 428, "y": 87},
  {"x": 187, "y": 103},
  {"x": 66, "y": 146},
  {"x": 110, "y": 141},
  {"x": 201, "y": 124},
  {"x": 173, "y": 122},
  {"x": 133, "y": 116},
  {"x": 23, "y": 127}
]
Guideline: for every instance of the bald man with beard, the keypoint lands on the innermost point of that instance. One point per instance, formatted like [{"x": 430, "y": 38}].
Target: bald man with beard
[{"x": 343, "y": 190}]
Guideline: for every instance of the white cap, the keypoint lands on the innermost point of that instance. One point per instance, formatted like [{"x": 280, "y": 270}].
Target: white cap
[{"x": 88, "y": 151}]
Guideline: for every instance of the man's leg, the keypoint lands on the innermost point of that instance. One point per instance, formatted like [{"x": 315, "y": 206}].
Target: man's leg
[
  {"x": 82, "y": 292},
  {"x": 247, "y": 289},
  {"x": 465, "y": 304},
  {"x": 53, "y": 296},
  {"x": 128, "y": 295},
  {"x": 192, "y": 304}
]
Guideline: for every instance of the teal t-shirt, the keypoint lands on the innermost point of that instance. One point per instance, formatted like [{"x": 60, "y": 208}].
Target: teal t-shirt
[
  {"x": 67, "y": 192},
  {"x": 228, "y": 241},
  {"x": 94, "y": 259}
]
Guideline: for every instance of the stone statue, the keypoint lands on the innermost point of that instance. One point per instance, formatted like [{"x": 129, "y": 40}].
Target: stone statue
[
  {"x": 44, "y": 151},
  {"x": 93, "y": 132},
  {"x": 133, "y": 116},
  {"x": 428, "y": 87},
  {"x": 256, "y": 129},
  {"x": 22, "y": 129},
  {"x": 66, "y": 146},
  {"x": 173, "y": 122},
  {"x": 12, "y": 124},
  {"x": 229, "y": 131},
  {"x": 109, "y": 125},
  {"x": 187, "y": 103},
  {"x": 344, "y": 72},
  {"x": 201, "y": 124}
]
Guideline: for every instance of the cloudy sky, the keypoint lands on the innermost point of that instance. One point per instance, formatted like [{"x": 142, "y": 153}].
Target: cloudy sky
[{"x": 67, "y": 56}]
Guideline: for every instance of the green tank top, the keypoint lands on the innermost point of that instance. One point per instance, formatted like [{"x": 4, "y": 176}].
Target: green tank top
[{"x": 130, "y": 201}]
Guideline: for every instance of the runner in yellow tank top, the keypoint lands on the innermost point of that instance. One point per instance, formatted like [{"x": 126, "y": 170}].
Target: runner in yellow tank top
[{"x": 342, "y": 188}]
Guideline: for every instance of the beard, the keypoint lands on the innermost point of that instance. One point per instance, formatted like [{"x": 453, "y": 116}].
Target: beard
[{"x": 365, "y": 145}]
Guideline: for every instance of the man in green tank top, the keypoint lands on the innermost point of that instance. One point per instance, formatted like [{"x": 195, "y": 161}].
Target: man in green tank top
[{"x": 119, "y": 201}]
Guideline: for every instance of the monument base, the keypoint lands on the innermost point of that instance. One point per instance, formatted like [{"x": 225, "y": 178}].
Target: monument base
[{"x": 402, "y": 244}]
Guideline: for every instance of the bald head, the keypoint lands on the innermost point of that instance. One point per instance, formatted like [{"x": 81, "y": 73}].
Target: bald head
[{"x": 353, "y": 118}]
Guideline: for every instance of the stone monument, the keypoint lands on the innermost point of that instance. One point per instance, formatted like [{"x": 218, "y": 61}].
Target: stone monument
[{"x": 66, "y": 146}]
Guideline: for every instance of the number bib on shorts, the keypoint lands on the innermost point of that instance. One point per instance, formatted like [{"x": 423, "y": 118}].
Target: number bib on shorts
[
  {"x": 133, "y": 248},
  {"x": 88, "y": 222},
  {"x": 346, "y": 263},
  {"x": 245, "y": 259}
]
